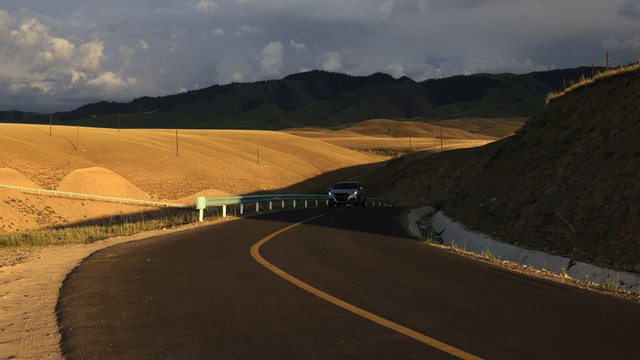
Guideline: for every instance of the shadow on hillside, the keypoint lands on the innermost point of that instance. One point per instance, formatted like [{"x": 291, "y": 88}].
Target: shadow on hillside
[
  {"x": 374, "y": 177},
  {"x": 317, "y": 185}
]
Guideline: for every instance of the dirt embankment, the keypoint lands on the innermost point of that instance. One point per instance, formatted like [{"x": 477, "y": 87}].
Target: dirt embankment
[{"x": 566, "y": 183}]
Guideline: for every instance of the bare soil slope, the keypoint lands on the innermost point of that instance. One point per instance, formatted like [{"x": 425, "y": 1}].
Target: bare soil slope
[{"x": 567, "y": 182}]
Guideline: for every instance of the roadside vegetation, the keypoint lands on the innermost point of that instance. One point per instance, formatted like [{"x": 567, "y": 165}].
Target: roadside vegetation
[
  {"x": 584, "y": 81},
  {"x": 120, "y": 226}
]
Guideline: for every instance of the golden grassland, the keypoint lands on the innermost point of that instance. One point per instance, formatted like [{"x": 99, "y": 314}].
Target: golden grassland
[
  {"x": 599, "y": 76},
  {"x": 160, "y": 165},
  {"x": 414, "y": 135},
  {"x": 223, "y": 161}
]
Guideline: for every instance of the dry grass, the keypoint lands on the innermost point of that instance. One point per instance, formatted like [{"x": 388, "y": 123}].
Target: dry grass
[
  {"x": 146, "y": 164},
  {"x": 208, "y": 160},
  {"x": 587, "y": 81},
  {"x": 143, "y": 164},
  {"x": 373, "y": 135}
]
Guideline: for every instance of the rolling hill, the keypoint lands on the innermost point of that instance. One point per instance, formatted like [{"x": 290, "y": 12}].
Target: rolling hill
[
  {"x": 322, "y": 99},
  {"x": 150, "y": 165}
]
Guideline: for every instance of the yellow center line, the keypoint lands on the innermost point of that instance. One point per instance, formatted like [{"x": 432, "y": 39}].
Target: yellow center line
[{"x": 255, "y": 253}]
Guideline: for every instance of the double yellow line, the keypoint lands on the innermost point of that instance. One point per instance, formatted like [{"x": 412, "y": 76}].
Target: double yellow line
[{"x": 255, "y": 253}]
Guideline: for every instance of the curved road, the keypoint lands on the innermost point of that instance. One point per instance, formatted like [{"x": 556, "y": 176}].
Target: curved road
[{"x": 212, "y": 293}]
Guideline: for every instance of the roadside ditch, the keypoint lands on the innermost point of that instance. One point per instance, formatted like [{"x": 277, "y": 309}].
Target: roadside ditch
[{"x": 435, "y": 228}]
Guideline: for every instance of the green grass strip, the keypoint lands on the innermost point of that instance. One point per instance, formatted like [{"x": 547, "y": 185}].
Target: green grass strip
[{"x": 88, "y": 234}]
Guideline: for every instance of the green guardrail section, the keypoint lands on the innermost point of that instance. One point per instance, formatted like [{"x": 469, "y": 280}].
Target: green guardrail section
[
  {"x": 203, "y": 203},
  {"x": 95, "y": 197}
]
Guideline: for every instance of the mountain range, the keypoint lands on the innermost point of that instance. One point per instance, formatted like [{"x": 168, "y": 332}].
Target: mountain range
[{"x": 323, "y": 99}]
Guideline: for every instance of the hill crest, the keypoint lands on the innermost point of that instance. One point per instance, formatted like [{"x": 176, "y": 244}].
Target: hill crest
[{"x": 321, "y": 98}]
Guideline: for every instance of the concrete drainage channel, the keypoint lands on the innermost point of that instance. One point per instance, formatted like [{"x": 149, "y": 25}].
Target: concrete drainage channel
[{"x": 452, "y": 232}]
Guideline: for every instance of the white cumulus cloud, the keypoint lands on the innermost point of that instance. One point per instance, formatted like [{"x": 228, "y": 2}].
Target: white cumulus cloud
[
  {"x": 206, "y": 6},
  {"x": 143, "y": 45},
  {"x": 297, "y": 46},
  {"x": 248, "y": 29},
  {"x": 272, "y": 58},
  {"x": 385, "y": 10},
  {"x": 217, "y": 32},
  {"x": 331, "y": 61},
  {"x": 90, "y": 55},
  {"x": 109, "y": 82}
]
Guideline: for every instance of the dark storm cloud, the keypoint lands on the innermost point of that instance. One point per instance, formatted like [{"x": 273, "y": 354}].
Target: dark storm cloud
[
  {"x": 65, "y": 54},
  {"x": 630, "y": 9}
]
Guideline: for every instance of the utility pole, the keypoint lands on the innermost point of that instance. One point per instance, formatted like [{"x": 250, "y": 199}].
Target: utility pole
[
  {"x": 435, "y": 136},
  {"x": 176, "y": 141}
]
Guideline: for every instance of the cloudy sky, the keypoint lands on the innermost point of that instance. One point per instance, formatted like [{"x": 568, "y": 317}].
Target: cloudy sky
[{"x": 58, "y": 55}]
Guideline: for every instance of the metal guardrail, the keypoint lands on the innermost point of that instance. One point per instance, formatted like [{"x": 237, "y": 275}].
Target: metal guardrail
[
  {"x": 94, "y": 197},
  {"x": 203, "y": 203}
]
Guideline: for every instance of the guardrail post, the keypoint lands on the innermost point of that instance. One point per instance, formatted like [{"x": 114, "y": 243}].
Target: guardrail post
[
  {"x": 305, "y": 204},
  {"x": 257, "y": 206},
  {"x": 270, "y": 205},
  {"x": 294, "y": 203},
  {"x": 316, "y": 202},
  {"x": 224, "y": 210},
  {"x": 201, "y": 204},
  {"x": 282, "y": 204},
  {"x": 241, "y": 209}
]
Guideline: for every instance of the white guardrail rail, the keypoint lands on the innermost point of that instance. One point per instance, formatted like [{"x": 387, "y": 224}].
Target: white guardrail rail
[{"x": 203, "y": 203}]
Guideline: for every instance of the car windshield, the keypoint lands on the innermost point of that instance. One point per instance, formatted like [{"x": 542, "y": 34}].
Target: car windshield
[{"x": 346, "y": 186}]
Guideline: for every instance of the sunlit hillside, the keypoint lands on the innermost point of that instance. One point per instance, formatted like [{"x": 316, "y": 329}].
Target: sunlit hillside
[
  {"x": 415, "y": 135},
  {"x": 176, "y": 166},
  {"x": 167, "y": 166}
]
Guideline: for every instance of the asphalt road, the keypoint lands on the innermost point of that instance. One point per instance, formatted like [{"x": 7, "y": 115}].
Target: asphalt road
[{"x": 200, "y": 294}]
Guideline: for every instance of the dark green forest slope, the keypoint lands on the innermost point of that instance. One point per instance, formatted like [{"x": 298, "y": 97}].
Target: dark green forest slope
[{"x": 324, "y": 99}]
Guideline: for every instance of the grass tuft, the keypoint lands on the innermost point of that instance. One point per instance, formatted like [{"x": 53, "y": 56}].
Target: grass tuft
[
  {"x": 586, "y": 81},
  {"x": 487, "y": 255},
  {"x": 610, "y": 285}
]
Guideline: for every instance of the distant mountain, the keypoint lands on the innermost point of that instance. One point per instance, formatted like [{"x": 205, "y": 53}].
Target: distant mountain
[{"x": 324, "y": 99}]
